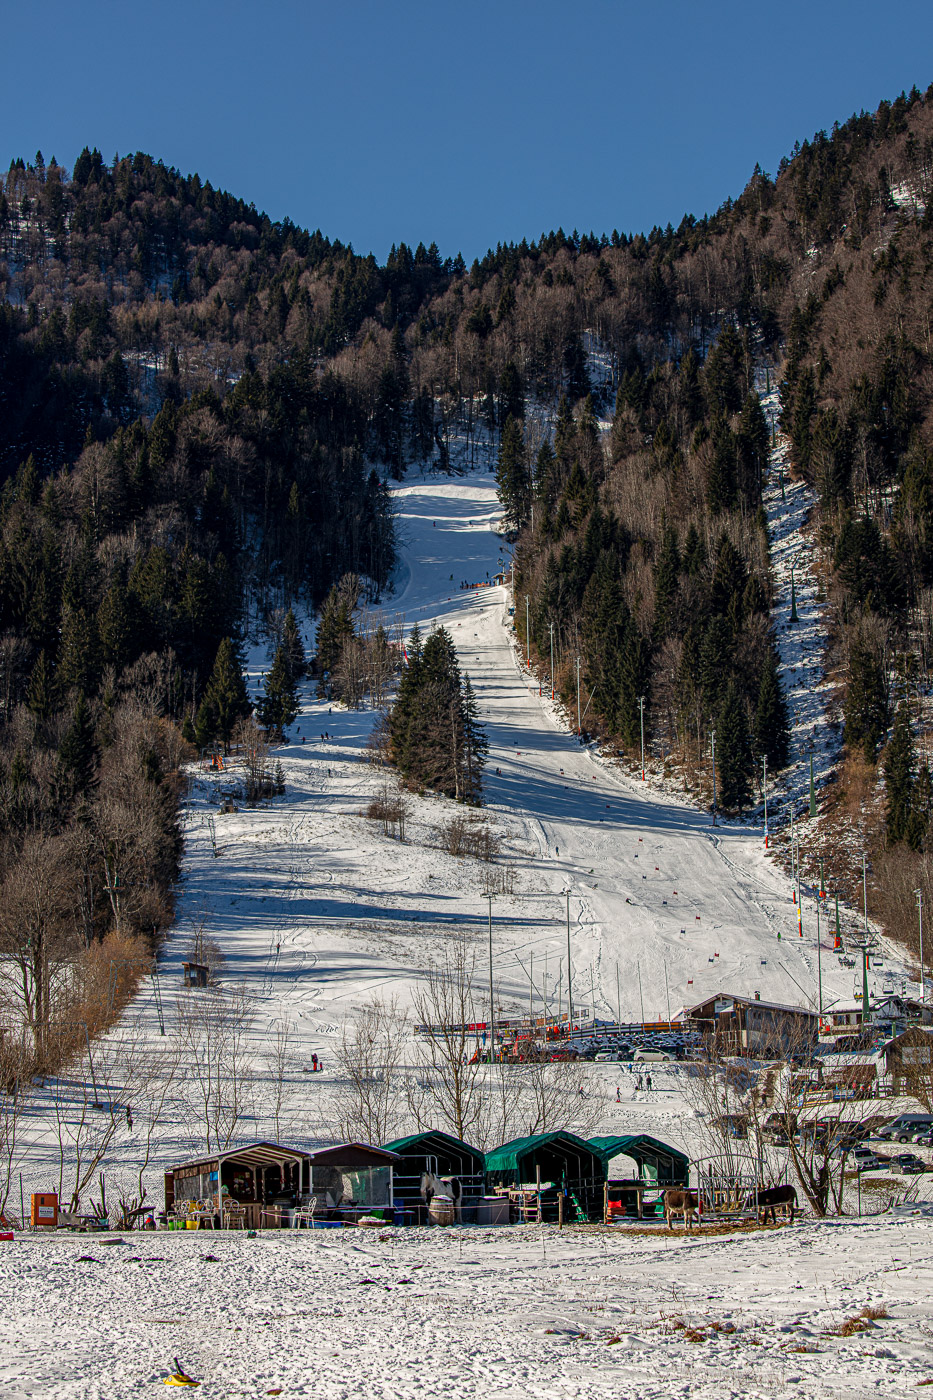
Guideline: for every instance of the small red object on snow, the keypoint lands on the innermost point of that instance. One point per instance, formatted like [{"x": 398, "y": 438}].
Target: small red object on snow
[{"x": 7, "y": 1235}]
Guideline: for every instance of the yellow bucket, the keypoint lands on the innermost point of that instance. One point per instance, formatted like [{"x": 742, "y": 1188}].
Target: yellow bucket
[{"x": 192, "y": 1224}]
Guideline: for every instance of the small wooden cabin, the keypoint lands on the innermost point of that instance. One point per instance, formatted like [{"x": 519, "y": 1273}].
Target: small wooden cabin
[{"x": 254, "y": 1175}]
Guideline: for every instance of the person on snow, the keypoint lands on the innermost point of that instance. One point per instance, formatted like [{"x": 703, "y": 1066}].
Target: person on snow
[{"x": 648, "y": 1082}]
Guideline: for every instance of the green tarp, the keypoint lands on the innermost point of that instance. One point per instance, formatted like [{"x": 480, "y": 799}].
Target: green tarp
[{"x": 664, "y": 1164}]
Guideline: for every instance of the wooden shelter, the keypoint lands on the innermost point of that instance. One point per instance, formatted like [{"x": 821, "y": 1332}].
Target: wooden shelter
[
  {"x": 443, "y": 1156},
  {"x": 353, "y": 1179},
  {"x": 562, "y": 1163},
  {"x": 254, "y": 1175}
]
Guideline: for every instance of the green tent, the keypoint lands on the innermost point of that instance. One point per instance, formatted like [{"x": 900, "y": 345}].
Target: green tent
[
  {"x": 442, "y": 1155},
  {"x": 563, "y": 1160},
  {"x": 657, "y": 1163}
]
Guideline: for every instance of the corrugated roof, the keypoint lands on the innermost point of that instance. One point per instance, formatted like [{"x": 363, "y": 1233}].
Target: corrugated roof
[
  {"x": 253, "y": 1154},
  {"x": 609, "y": 1147},
  {"x": 508, "y": 1156},
  {"x": 405, "y": 1144}
]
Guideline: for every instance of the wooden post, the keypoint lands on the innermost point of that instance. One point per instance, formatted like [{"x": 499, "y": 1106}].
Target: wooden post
[
  {"x": 560, "y": 1210},
  {"x": 538, "y": 1188},
  {"x": 606, "y": 1202}
]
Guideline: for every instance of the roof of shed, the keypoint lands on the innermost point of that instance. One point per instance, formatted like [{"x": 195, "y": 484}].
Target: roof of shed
[
  {"x": 609, "y": 1147},
  {"x": 508, "y": 1156}
]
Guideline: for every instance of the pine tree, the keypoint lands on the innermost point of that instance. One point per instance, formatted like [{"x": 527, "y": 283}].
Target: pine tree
[
  {"x": 335, "y": 628},
  {"x": 772, "y": 727},
  {"x": 512, "y": 475},
  {"x": 279, "y": 705},
  {"x": 733, "y": 753},
  {"x": 225, "y": 698},
  {"x": 899, "y": 763},
  {"x": 294, "y": 648},
  {"x": 666, "y": 572},
  {"x": 866, "y": 707},
  {"x": 78, "y": 753},
  {"x": 40, "y": 696}
]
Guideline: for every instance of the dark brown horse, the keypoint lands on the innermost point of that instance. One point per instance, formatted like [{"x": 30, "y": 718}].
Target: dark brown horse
[{"x": 770, "y": 1199}]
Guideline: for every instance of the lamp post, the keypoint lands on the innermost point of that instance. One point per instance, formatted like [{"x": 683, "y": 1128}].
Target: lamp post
[
  {"x": 579, "y": 720},
  {"x": 551, "y": 630},
  {"x": 569, "y": 977},
  {"x": 923, "y": 984},
  {"x": 527, "y": 635},
  {"x": 819, "y": 960},
  {"x": 713, "y": 738},
  {"x": 492, "y": 999},
  {"x": 764, "y": 789},
  {"x": 641, "y": 711}
]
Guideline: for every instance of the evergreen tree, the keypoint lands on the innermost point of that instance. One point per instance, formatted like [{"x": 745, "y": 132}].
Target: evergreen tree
[
  {"x": 512, "y": 476},
  {"x": 733, "y": 752},
  {"x": 294, "y": 648},
  {"x": 40, "y": 696},
  {"x": 225, "y": 699},
  {"x": 772, "y": 726},
  {"x": 666, "y": 572},
  {"x": 279, "y": 705},
  {"x": 77, "y": 753},
  {"x": 866, "y": 705},
  {"x": 334, "y": 629},
  {"x": 899, "y": 764}
]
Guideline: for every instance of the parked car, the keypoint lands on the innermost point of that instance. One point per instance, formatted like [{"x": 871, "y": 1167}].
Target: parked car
[
  {"x": 924, "y": 1139},
  {"x": 907, "y": 1162},
  {"x": 864, "y": 1160},
  {"x": 897, "y": 1130},
  {"x": 652, "y": 1055}
]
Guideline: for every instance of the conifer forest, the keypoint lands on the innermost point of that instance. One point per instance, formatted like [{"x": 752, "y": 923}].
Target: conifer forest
[{"x": 201, "y": 411}]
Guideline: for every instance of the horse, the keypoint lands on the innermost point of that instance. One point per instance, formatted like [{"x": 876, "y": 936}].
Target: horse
[
  {"x": 432, "y": 1186},
  {"x": 686, "y": 1201},
  {"x": 768, "y": 1199}
]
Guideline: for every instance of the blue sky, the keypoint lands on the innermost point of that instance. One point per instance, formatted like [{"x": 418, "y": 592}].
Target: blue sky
[{"x": 464, "y": 124}]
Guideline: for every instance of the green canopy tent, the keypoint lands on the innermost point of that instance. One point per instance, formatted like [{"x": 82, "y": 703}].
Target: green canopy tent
[
  {"x": 658, "y": 1164},
  {"x": 442, "y": 1155},
  {"x": 565, "y": 1162}
]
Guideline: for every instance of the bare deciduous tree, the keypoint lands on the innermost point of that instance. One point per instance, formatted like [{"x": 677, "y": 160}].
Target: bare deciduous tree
[
  {"x": 370, "y": 1091},
  {"x": 212, "y": 1028}
]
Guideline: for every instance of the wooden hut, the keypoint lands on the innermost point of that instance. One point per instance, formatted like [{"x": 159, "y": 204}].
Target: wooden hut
[
  {"x": 441, "y": 1155},
  {"x": 353, "y": 1179},
  {"x": 562, "y": 1163},
  {"x": 262, "y": 1177}
]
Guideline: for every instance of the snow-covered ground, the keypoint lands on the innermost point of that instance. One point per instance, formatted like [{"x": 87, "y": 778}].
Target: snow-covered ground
[{"x": 506, "y": 1314}]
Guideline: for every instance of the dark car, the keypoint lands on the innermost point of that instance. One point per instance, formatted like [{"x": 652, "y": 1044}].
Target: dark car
[{"x": 907, "y": 1162}]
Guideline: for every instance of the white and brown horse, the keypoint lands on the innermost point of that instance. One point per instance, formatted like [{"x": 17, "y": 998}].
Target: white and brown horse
[{"x": 448, "y": 1186}]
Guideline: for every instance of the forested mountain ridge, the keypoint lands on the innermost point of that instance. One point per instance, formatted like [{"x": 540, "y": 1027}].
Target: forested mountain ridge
[{"x": 195, "y": 402}]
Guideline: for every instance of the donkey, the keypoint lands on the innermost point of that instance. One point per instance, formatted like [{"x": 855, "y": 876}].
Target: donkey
[{"x": 686, "y": 1201}]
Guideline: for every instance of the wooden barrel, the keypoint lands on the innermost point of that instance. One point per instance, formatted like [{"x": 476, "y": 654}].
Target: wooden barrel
[{"x": 441, "y": 1210}]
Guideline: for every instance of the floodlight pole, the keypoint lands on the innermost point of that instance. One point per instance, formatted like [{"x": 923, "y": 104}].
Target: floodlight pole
[
  {"x": 641, "y": 711},
  {"x": 551, "y": 630},
  {"x": 713, "y": 738},
  {"x": 569, "y": 966},
  {"x": 579, "y": 720},
  {"x": 527, "y": 635},
  {"x": 764, "y": 789},
  {"x": 492, "y": 999},
  {"x": 923, "y": 984}
]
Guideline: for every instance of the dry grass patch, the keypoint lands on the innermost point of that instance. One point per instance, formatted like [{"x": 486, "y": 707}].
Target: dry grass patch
[{"x": 859, "y": 1322}]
